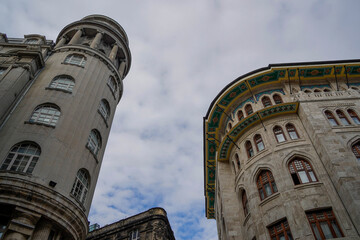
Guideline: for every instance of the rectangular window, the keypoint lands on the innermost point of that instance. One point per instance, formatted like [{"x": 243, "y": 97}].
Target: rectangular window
[
  {"x": 324, "y": 224},
  {"x": 280, "y": 230}
]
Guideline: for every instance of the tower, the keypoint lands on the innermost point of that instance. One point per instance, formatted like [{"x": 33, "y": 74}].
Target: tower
[
  {"x": 57, "y": 107},
  {"x": 282, "y": 153}
]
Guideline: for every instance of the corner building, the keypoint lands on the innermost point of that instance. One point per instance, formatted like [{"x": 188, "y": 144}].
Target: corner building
[
  {"x": 282, "y": 153},
  {"x": 57, "y": 106}
]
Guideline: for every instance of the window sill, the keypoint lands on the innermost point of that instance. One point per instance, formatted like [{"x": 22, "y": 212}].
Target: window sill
[
  {"x": 246, "y": 219},
  {"x": 58, "y": 89},
  {"x": 308, "y": 185},
  {"x": 269, "y": 198},
  {"x": 41, "y": 124},
  {"x": 72, "y": 64},
  {"x": 94, "y": 155}
]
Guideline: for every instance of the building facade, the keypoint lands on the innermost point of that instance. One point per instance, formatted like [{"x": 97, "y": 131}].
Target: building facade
[
  {"x": 150, "y": 225},
  {"x": 57, "y": 107},
  {"x": 282, "y": 153}
]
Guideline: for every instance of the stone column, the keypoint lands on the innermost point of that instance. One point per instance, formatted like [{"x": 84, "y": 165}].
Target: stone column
[
  {"x": 122, "y": 68},
  {"x": 95, "y": 42},
  {"x": 76, "y": 37},
  {"x": 113, "y": 52},
  {"x": 22, "y": 225},
  {"x": 61, "y": 42}
]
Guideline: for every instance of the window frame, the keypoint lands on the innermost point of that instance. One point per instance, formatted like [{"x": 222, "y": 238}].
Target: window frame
[
  {"x": 343, "y": 119},
  {"x": 284, "y": 227},
  {"x": 259, "y": 141},
  {"x": 248, "y": 109},
  {"x": 104, "y": 109},
  {"x": 32, "y": 41},
  {"x": 355, "y": 148},
  {"x": 249, "y": 149},
  {"x": 245, "y": 203},
  {"x": 277, "y": 99},
  {"x": 92, "y": 145},
  {"x": 297, "y": 167},
  {"x": 59, "y": 83},
  {"x": 14, "y": 155},
  {"x": 237, "y": 160},
  {"x": 134, "y": 235},
  {"x": 266, "y": 101},
  {"x": 353, "y": 115},
  {"x": 261, "y": 184},
  {"x": 240, "y": 115},
  {"x": 328, "y": 218},
  {"x": 42, "y": 112},
  {"x": 278, "y": 131},
  {"x": 331, "y": 118},
  {"x": 81, "y": 188},
  {"x": 290, "y": 128},
  {"x": 71, "y": 59}
]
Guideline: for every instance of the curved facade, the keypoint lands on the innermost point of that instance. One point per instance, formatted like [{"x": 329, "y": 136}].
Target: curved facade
[
  {"x": 282, "y": 153},
  {"x": 54, "y": 134}
]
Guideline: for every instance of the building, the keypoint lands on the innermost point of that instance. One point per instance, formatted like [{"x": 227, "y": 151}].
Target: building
[
  {"x": 150, "y": 225},
  {"x": 57, "y": 107},
  {"x": 282, "y": 153}
]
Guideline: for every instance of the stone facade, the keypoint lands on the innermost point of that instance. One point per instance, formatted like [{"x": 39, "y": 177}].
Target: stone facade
[
  {"x": 57, "y": 107},
  {"x": 150, "y": 225},
  {"x": 282, "y": 159}
]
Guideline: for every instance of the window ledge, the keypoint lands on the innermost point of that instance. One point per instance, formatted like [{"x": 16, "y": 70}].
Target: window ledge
[
  {"x": 41, "y": 124},
  {"x": 58, "y": 89},
  {"x": 269, "y": 198},
  {"x": 246, "y": 219},
  {"x": 308, "y": 185},
  {"x": 94, "y": 155},
  {"x": 77, "y": 200},
  {"x": 72, "y": 64}
]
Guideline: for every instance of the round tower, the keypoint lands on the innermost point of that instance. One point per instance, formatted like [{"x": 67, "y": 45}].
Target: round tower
[{"x": 54, "y": 139}]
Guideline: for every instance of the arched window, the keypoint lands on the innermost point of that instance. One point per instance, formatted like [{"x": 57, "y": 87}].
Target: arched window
[
  {"x": 326, "y": 90},
  {"x": 277, "y": 99},
  {"x": 94, "y": 141},
  {"x": 266, "y": 184},
  {"x": 229, "y": 126},
  {"x": 301, "y": 171},
  {"x": 47, "y": 114},
  {"x": 355, "y": 88},
  {"x": 112, "y": 84},
  {"x": 248, "y": 109},
  {"x": 245, "y": 203},
  {"x": 240, "y": 115},
  {"x": 259, "y": 143},
  {"x": 266, "y": 101},
  {"x": 104, "y": 109},
  {"x": 342, "y": 117},
  {"x": 75, "y": 59},
  {"x": 81, "y": 185},
  {"x": 353, "y": 116},
  {"x": 237, "y": 161},
  {"x": 317, "y": 90},
  {"x": 249, "y": 149},
  {"x": 307, "y": 91},
  {"x": 356, "y": 150},
  {"x": 292, "y": 131},
  {"x": 22, "y": 157},
  {"x": 331, "y": 118},
  {"x": 279, "y": 134},
  {"x": 63, "y": 82}
]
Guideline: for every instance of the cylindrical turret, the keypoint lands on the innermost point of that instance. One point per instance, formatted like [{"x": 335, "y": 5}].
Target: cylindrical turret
[{"x": 54, "y": 140}]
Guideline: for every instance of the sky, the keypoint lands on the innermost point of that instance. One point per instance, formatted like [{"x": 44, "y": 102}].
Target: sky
[{"x": 183, "y": 53}]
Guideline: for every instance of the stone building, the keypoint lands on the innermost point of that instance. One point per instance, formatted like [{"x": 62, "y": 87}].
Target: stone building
[
  {"x": 57, "y": 107},
  {"x": 150, "y": 225},
  {"x": 282, "y": 153}
]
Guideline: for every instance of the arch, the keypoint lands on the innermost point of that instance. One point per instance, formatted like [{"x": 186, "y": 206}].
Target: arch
[
  {"x": 266, "y": 184},
  {"x": 332, "y": 120},
  {"x": 279, "y": 134},
  {"x": 94, "y": 141},
  {"x": 248, "y": 109},
  {"x": 240, "y": 115},
  {"x": 249, "y": 149},
  {"x": 301, "y": 171},
  {"x": 259, "y": 143},
  {"x": 290, "y": 128},
  {"x": 64, "y": 82},
  {"x": 355, "y": 147},
  {"x": 353, "y": 116},
  {"x": 46, "y": 114},
  {"x": 327, "y": 90},
  {"x": 266, "y": 101},
  {"x": 277, "y": 99},
  {"x": 317, "y": 90},
  {"x": 104, "y": 109},
  {"x": 307, "y": 91},
  {"x": 75, "y": 59},
  {"x": 342, "y": 117},
  {"x": 22, "y": 157},
  {"x": 81, "y": 185}
]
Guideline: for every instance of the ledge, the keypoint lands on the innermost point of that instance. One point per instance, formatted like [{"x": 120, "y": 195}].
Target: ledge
[
  {"x": 40, "y": 124},
  {"x": 268, "y": 199},
  {"x": 58, "y": 89},
  {"x": 308, "y": 185}
]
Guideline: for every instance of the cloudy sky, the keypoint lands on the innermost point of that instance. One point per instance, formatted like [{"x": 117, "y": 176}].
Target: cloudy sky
[{"x": 184, "y": 52}]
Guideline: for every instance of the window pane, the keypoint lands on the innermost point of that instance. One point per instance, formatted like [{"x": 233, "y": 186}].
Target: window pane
[
  {"x": 280, "y": 138},
  {"x": 336, "y": 229},
  {"x": 326, "y": 230},
  {"x": 316, "y": 231},
  {"x": 344, "y": 121},
  {"x": 312, "y": 176},
  {"x": 333, "y": 122},
  {"x": 268, "y": 189},
  {"x": 293, "y": 135},
  {"x": 303, "y": 177},
  {"x": 260, "y": 146},
  {"x": 356, "y": 120}
]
